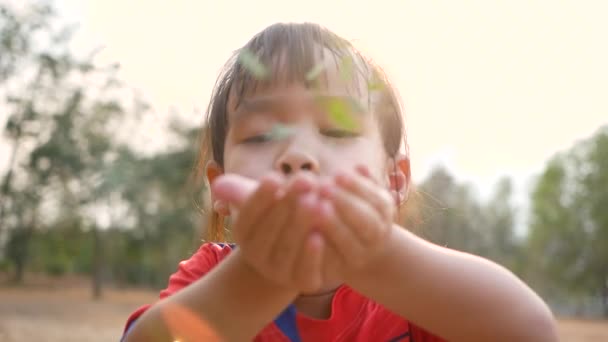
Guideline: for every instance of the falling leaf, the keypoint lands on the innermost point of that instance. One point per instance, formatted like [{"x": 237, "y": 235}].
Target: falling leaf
[
  {"x": 355, "y": 106},
  {"x": 375, "y": 85},
  {"x": 341, "y": 113},
  {"x": 280, "y": 132},
  {"x": 252, "y": 63},
  {"x": 315, "y": 71},
  {"x": 346, "y": 68}
]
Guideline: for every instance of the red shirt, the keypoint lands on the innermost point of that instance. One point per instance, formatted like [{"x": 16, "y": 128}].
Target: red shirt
[{"x": 354, "y": 317}]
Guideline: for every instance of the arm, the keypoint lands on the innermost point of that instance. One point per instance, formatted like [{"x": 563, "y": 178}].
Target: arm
[
  {"x": 253, "y": 284},
  {"x": 456, "y": 295},
  {"x": 230, "y": 295}
]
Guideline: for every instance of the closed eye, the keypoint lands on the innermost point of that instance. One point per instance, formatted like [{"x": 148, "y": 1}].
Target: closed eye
[
  {"x": 339, "y": 133},
  {"x": 257, "y": 139}
]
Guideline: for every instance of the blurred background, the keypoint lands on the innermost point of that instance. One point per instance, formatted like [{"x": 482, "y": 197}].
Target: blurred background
[{"x": 101, "y": 103}]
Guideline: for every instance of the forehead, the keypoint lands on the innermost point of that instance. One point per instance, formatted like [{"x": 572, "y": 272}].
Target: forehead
[{"x": 325, "y": 72}]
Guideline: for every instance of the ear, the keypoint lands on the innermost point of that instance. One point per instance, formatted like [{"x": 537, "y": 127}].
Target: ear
[
  {"x": 214, "y": 170},
  {"x": 399, "y": 175}
]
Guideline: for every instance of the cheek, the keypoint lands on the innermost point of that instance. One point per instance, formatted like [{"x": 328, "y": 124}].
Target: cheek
[
  {"x": 250, "y": 163},
  {"x": 366, "y": 152}
]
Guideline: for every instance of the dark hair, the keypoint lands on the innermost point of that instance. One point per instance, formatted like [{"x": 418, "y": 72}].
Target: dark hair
[{"x": 289, "y": 51}]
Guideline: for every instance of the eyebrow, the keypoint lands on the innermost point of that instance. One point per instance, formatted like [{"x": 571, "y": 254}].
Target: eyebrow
[
  {"x": 260, "y": 104},
  {"x": 256, "y": 105},
  {"x": 272, "y": 104}
]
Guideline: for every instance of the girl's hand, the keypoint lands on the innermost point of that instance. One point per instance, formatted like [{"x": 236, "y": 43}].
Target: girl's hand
[
  {"x": 273, "y": 227},
  {"x": 356, "y": 216}
]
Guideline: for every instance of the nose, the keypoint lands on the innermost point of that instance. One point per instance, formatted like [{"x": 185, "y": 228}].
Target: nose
[{"x": 293, "y": 161}]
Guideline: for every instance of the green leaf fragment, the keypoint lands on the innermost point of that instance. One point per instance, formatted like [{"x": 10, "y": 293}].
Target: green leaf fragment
[
  {"x": 341, "y": 113},
  {"x": 346, "y": 68},
  {"x": 355, "y": 106},
  {"x": 315, "y": 71},
  {"x": 251, "y": 62},
  {"x": 279, "y": 132},
  {"x": 375, "y": 86}
]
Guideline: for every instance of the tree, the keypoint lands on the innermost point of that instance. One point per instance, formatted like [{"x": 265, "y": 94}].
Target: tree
[
  {"x": 501, "y": 243},
  {"x": 68, "y": 175},
  {"x": 569, "y": 223},
  {"x": 62, "y": 113},
  {"x": 451, "y": 216}
]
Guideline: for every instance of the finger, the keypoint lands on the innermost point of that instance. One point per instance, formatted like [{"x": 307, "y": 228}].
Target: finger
[
  {"x": 397, "y": 182},
  {"x": 233, "y": 189},
  {"x": 265, "y": 235},
  {"x": 337, "y": 233},
  {"x": 332, "y": 265},
  {"x": 300, "y": 202},
  {"x": 367, "y": 190},
  {"x": 309, "y": 271},
  {"x": 255, "y": 207},
  {"x": 221, "y": 208},
  {"x": 292, "y": 238},
  {"x": 363, "y": 219},
  {"x": 301, "y": 182},
  {"x": 363, "y": 171}
]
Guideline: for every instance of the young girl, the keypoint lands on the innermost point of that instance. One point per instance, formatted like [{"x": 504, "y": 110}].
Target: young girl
[{"x": 305, "y": 151}]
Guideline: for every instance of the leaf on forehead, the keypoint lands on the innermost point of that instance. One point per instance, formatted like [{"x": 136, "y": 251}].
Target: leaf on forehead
[
  {"x": 341, "y": 113},
  {"x": 279, "y": 132},
  {"x": 251, "y": 62},
  {"x": 315, "y": 71},
  {"x": 375, "y": 85},
  {"x": 346, "y": 68}
]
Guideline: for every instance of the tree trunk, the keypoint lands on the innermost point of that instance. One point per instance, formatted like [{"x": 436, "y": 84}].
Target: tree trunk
[
  {"x": 19, "y": 269},
  {"x": 18, "y": 251},
  {"x": 605, "y": 295},
  {"x": 5, "y": 189},
  {"x": 97, "y": 276}
]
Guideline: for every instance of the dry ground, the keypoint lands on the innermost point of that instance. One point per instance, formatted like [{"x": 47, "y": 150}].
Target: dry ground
[{"x": 63, "y": 311}]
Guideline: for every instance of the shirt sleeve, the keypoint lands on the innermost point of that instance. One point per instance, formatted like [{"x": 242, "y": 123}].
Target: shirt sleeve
[
  {"x": 420, "y": 335},
  {"x": 188, "y": 271}
]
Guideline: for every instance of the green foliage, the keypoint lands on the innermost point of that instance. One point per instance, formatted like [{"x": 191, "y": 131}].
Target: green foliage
[
  {"x": 453, "y": 215},
  {"x": 569, "y": 222},
  {"x": 66, "y": 165},
  {"x": 5, "y": 266}
]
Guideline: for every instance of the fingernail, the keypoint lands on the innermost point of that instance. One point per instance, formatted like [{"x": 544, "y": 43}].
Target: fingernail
[
  {"x": 363, "y": 170},
  {"x": 325, "y": 209},
  {"x": 303, "y": 185},
  {"x": 343, "y": 179},
  {"x": 307, "y": 201},
  {"x": 326, "y": 191},
  {"x": 280, "y": 193}
]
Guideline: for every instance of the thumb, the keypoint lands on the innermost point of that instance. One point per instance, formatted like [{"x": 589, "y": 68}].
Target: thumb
[{"x": 233, "y": 189}]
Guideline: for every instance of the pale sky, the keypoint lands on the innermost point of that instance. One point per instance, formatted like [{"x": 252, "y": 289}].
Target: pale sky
[{"x": 489, "y": 87}]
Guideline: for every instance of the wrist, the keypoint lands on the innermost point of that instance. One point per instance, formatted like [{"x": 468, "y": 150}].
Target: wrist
[
  {"x": 380, "y": 263},
  {"x": 257, "y": 280}
]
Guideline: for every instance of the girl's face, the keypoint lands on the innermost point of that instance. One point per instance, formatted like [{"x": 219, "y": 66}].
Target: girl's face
[{"x": 294, "y": 129}]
